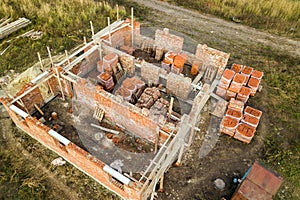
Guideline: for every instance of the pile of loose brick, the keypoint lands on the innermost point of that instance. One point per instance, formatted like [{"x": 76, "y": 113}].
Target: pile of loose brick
[
  {"x": 237, "y": 85},
  {"x": 174, "y": 62}
]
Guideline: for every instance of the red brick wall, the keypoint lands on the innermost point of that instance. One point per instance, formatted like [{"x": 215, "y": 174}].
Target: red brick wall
[
  {"x": 122, "y": 113},
  {"x": 72, "y": 153},
  {"x": 34, "y": 97}
]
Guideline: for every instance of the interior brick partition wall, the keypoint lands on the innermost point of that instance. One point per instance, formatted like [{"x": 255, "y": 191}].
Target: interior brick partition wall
[
  {"x": 150, "y": 73},
  {"x": 34, "y": 97},
  {"x": 212, "y": 56},
  {"x": 72, "y": 153},
  {"x": 119, "y": 111},
  {"x": 123, "y": 36},
  {"x": 178, "y": 85},
  {"x": 90, "y": 61},
  {"x": 169, "y": 42},
  {"x": 127, "y": 61},
  {"x": 53, "y": 84},
  {"x": 144, "y": 41}
]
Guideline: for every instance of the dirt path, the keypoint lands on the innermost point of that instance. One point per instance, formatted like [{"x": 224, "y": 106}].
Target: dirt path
[{"x": 212, "y": 28}]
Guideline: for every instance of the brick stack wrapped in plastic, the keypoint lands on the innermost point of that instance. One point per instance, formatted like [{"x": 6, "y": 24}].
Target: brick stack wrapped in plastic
[
  {"x": 239, "y": 82},
  {"x": 237, "y": 85},
  {"x": 240, "y": 123}
]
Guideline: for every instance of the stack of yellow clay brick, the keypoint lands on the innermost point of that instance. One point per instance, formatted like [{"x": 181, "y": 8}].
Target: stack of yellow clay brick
[
  {"x": 236, "y": 85},
  {"x": 240, "y": 123},
  {"x": 239, "y": 82}
]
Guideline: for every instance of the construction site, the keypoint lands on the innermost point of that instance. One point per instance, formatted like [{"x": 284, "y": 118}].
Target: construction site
[{"x": 124, "y": 107}]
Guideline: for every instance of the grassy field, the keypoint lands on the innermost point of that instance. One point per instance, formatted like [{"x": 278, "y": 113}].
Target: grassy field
[
  {"x": 63, "y": 23},
  {"x": 276, "y": 16}
]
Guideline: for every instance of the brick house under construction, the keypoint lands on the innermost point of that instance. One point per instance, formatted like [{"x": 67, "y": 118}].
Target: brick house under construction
[{"x": 121, "y": 108}]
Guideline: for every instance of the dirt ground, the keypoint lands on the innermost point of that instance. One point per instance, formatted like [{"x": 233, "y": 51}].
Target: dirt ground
[{"x": 194, "y": 179}]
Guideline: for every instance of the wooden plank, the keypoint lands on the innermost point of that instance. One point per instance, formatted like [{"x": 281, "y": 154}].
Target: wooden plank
[
  {"x": 5, "y": 21},
  {"x": 14, "y": 26}
]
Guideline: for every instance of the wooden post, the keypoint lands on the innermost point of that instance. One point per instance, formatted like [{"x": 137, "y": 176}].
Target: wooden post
[
  {"x": 178, "y": 163},
  {"x": 117, "y": 12},
  {"x": 49, "y": 53},
  {"x": 66, "y": 52},
  {"x": 59, "y": 83},
  {"x": 108, "y": 26},
  {"x": 161, "y": 183},
  {"x": 170, "y": 108},
  {"x": 153, "y": 193},
  {"x": 132, "y": 28},
  {"x": 92, "y": 28},
  {"x": 156, "y": 140},
  {"x": 100, "y": 49},
  {"x": 41, "y": 63},
  {"x": 51, "y": 90},
  {"x": 38, "y": 109},
  {"x": 84, "y": 40},
  {"x": 191, "y": 135},
  {"x": 23, "y": 105}
]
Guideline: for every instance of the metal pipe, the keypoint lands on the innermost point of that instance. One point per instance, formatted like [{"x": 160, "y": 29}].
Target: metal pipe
[
  {"x": 105, "y": 129},
  {"x": 39, "y": 77},
  {"x": 59, "y": 137},
  {"x": 116, "y": 175},
  {"x": 18, "y": 111}
]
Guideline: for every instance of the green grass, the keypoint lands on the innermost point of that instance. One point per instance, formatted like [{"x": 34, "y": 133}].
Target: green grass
[
  {"x": 64, "y": 24},
  {"x": 279, "y": 102},
  {"x": 26, "y": 173},
  {"x": 276, "y": 16}
]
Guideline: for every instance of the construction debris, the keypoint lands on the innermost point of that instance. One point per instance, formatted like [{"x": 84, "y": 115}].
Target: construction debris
[
  {"x": 219, "y": 184},
  {"x": 58, "y": 162},
  {"x": 34, "y": 35},
  {"x": 14, "y": 26},
  {"x": 106, "y": 129}
]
